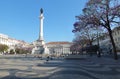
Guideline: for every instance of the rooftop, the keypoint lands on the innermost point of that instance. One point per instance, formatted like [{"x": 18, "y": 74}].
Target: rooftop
[{"x": 59, "y": 42}]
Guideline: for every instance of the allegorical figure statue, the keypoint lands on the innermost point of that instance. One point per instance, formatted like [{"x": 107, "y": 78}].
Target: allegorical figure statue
[{"x": 41, "y": 10}]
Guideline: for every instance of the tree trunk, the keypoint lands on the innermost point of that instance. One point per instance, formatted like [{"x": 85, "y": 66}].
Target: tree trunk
[
  {"x": 90, "y": 42},
  {"x": 113, "y": 44},
  {"x": 98, "y": 48}
]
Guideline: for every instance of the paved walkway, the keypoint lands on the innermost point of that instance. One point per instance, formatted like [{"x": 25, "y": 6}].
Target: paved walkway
[{"x": 19, "y": 67}]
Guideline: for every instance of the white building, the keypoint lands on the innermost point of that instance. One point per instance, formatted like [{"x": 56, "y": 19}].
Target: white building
[
  {"x": 11, "y": 42},
  {"x": 105, "y": 41},
  {"x": 59, "y": 48},
  {"x": 4, "y": 39},
  {"x": 116, "y": 36}
]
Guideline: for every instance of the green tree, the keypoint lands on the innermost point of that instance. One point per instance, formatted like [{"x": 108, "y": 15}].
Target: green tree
[
  {"x": 22, "y": 51},
  {"x": 12, "y": 51},
  {"x": 3, "y": 47}
]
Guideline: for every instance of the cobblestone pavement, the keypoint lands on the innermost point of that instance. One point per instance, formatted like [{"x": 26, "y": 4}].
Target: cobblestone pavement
[{"x": 16, "y": 67}]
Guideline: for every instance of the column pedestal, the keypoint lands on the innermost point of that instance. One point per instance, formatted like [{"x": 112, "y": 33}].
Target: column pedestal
[{"x": 39, "y": 44}]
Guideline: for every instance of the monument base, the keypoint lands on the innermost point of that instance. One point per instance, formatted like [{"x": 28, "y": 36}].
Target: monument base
[{"x": 40, "y": 47}]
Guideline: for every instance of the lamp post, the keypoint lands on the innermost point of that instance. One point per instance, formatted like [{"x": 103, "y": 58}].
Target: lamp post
[{"x": 98, "y": 52}]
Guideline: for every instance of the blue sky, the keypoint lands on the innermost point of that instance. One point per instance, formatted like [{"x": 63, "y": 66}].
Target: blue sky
[{"x": 19, "y": 18}]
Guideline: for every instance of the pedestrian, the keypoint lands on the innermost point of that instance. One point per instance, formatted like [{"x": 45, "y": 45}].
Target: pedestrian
[{"x": 47, "y": 58}]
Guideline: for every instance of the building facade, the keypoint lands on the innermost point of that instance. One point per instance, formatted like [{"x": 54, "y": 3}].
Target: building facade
[
  {"x": 116, "y": 36},
  {"x": 11, "y": 42},
  {"x": 105, "y": 41},
  {"x": 59, "y": 48}
]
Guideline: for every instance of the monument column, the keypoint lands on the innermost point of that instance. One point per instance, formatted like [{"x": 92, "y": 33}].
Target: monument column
[
  {"x": 41, "y": 24},
  {"x": 40, "y": 47}
]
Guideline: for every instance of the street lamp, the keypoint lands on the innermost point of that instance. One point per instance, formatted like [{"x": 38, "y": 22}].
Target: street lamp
[{"x": 98, "y": 52}]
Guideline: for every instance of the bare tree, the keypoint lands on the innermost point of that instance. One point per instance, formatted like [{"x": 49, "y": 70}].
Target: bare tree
[{"x": 100, "y": 13}]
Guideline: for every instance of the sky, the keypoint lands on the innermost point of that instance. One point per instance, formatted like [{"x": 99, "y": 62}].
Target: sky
[{"x": 19, "y": 19}]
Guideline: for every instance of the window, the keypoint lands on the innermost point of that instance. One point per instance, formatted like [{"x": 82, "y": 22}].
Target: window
[
  {"x": 116, "y": 39},
  {"x": 119, "y": 39},
  {"x": 118, "y": 32}
]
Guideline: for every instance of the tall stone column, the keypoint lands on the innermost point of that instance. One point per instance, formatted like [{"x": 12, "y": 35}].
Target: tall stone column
[
  {"x": 40, "y": 47},
  {"x": 41, "y": 25}
]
